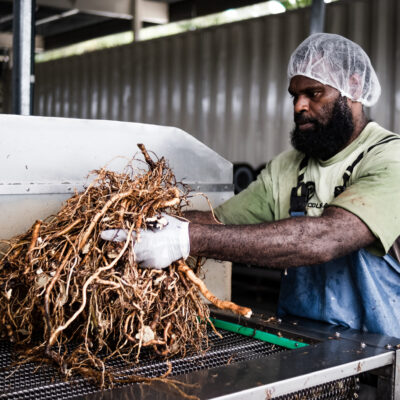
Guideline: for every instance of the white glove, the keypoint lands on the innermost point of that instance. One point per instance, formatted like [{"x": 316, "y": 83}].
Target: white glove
[{"x": 159, "y": 248}]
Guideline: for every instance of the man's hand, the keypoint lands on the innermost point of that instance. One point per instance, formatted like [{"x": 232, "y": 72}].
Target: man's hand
[{"x": 159, "y": 248}]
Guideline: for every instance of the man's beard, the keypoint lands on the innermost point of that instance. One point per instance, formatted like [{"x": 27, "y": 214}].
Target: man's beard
[{"x": 324, "y": 140}]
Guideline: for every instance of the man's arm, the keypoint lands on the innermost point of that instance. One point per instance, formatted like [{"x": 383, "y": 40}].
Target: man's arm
[
  {"x": 286, "y": 243},
  {"x": 201, "y": 217}
]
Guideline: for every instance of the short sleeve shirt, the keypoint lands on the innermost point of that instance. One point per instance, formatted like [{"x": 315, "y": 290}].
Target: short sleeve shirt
[{"x": 372, "y": 193}]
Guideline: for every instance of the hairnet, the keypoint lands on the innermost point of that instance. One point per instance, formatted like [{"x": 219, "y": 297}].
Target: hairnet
[{"x": 338, "y": 62}]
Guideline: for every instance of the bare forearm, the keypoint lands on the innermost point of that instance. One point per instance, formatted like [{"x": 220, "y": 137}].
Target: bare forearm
[
  {"x": 287, "y": 243},
  {"x": 201, "y": 217}
]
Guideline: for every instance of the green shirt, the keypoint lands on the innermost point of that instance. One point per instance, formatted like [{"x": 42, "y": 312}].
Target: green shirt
[{"x": 373, "y": 192}]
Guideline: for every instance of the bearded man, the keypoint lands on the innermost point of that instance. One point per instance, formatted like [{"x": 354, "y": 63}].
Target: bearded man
[{"x": 327, "y": 211}]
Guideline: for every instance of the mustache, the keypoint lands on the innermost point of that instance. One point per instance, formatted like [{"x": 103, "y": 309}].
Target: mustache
[{"x": 300, "y": 119}]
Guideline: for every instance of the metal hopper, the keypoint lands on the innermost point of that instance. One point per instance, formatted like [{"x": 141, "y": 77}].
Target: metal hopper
[{"x": 43, "y": 160}]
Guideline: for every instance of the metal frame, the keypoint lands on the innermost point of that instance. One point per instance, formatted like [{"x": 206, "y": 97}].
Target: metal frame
[
  {"x": 23, "y": 51},
  {"x": 330, "y": 355},
  {"x": 333, "y": 353},
  {"x": 317, "y": 21},
  {"x": 396, "y": 375},
  {"x": 14, "y": 188}
]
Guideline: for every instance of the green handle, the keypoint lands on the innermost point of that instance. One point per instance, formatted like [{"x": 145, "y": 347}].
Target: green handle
[{"x": 256, "y": 334}]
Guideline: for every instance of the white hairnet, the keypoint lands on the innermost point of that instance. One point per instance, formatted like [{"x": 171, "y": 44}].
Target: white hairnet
[{"x": 338, "y": 62}]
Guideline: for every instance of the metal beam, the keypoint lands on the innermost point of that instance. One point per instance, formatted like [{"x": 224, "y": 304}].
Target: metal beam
[
  {"x": 151, "y": 11},
  {"x": 137, "y": 19},
  {"x": 115, "y": 9},
  {"x": 56, "y": 17},
  {"x": 317, "y": 21},
  {"x": 6, "y": 41},
  {"x": 396, "y": 375},
  {"x": 156, "y": 13},
  {"x": 6, "y": 18},
  {"x": 23, "y": 52},
  {"x": 148, "y": 11}
]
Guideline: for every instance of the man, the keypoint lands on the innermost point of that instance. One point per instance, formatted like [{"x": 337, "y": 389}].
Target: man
[{"x": 328, "y": 211}]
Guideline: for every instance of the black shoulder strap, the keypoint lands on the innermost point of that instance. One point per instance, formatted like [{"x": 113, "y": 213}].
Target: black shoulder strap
[
  {"x": 299, "y": 194},
  {"x": 350, "y": 168}
]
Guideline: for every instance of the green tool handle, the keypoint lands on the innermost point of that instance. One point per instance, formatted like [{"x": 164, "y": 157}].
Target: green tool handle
[{"x": 256, "y": 334}]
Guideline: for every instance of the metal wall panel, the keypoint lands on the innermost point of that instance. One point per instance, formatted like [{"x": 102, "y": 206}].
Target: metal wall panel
[{"x": 225, "y": 85}]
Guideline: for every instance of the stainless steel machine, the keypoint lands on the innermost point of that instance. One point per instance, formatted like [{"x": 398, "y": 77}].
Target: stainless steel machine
[{"x": 44, "y": 159}]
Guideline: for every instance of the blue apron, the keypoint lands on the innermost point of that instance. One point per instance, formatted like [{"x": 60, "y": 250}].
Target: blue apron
[{"x": 359, "y": 291}]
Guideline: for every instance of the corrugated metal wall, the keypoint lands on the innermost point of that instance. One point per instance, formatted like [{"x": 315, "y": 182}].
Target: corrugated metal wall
[{"x": 225, "y": 85}]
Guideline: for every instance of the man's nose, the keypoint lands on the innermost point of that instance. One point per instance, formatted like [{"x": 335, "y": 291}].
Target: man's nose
[{"x": 301, "y": 104}]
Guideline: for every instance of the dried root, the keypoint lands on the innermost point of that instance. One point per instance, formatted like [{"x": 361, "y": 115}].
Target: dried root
[
  {"x": 68, "y": 297},
  {"x": 223, "y": 305}
]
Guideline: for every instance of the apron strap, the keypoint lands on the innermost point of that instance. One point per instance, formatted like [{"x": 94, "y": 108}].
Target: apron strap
[
  {"x": 350, "y": 168},
  {"x": 299, "y": 194}
]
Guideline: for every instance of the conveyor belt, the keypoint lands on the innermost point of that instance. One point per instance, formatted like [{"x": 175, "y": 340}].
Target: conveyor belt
[
  {"x": 28, "y": 382},
  {"x": 31, "y": 382},
  {"x": 341, "y": 389}
]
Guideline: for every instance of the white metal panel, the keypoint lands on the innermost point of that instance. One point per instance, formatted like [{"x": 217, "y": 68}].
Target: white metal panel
[{"x": 40, "y": 149}]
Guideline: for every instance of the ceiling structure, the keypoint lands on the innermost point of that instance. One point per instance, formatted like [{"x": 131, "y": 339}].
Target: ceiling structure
[{"x": 60, "y": 23}]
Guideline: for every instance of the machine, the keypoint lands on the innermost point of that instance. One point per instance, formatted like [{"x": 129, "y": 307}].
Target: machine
[{"x": 43, "y": 160}]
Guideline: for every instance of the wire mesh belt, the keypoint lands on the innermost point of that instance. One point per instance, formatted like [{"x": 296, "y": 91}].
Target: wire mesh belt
[
  {"x": 31, "y": 382},
  {"x": 342, "y": 389}
]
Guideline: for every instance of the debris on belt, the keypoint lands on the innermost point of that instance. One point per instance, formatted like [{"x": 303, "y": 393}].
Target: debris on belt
[{"x": 86, "y": 299}]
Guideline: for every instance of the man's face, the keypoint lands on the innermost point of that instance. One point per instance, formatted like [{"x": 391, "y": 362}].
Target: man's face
[{"x": 323, "y": 119}]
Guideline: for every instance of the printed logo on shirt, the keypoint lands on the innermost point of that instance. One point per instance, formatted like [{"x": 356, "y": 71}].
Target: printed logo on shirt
[
  {"x": 317, "y": 205},
  {"x": 310, "y": 194},
  {"x": 310, "y": 190}
]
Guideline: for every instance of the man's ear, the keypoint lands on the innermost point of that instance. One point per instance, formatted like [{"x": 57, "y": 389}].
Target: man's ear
[{"x": 355, "y": 86}]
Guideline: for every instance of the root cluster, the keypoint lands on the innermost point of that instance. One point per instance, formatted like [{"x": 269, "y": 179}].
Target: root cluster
[{"x": 68, "y": 297}]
